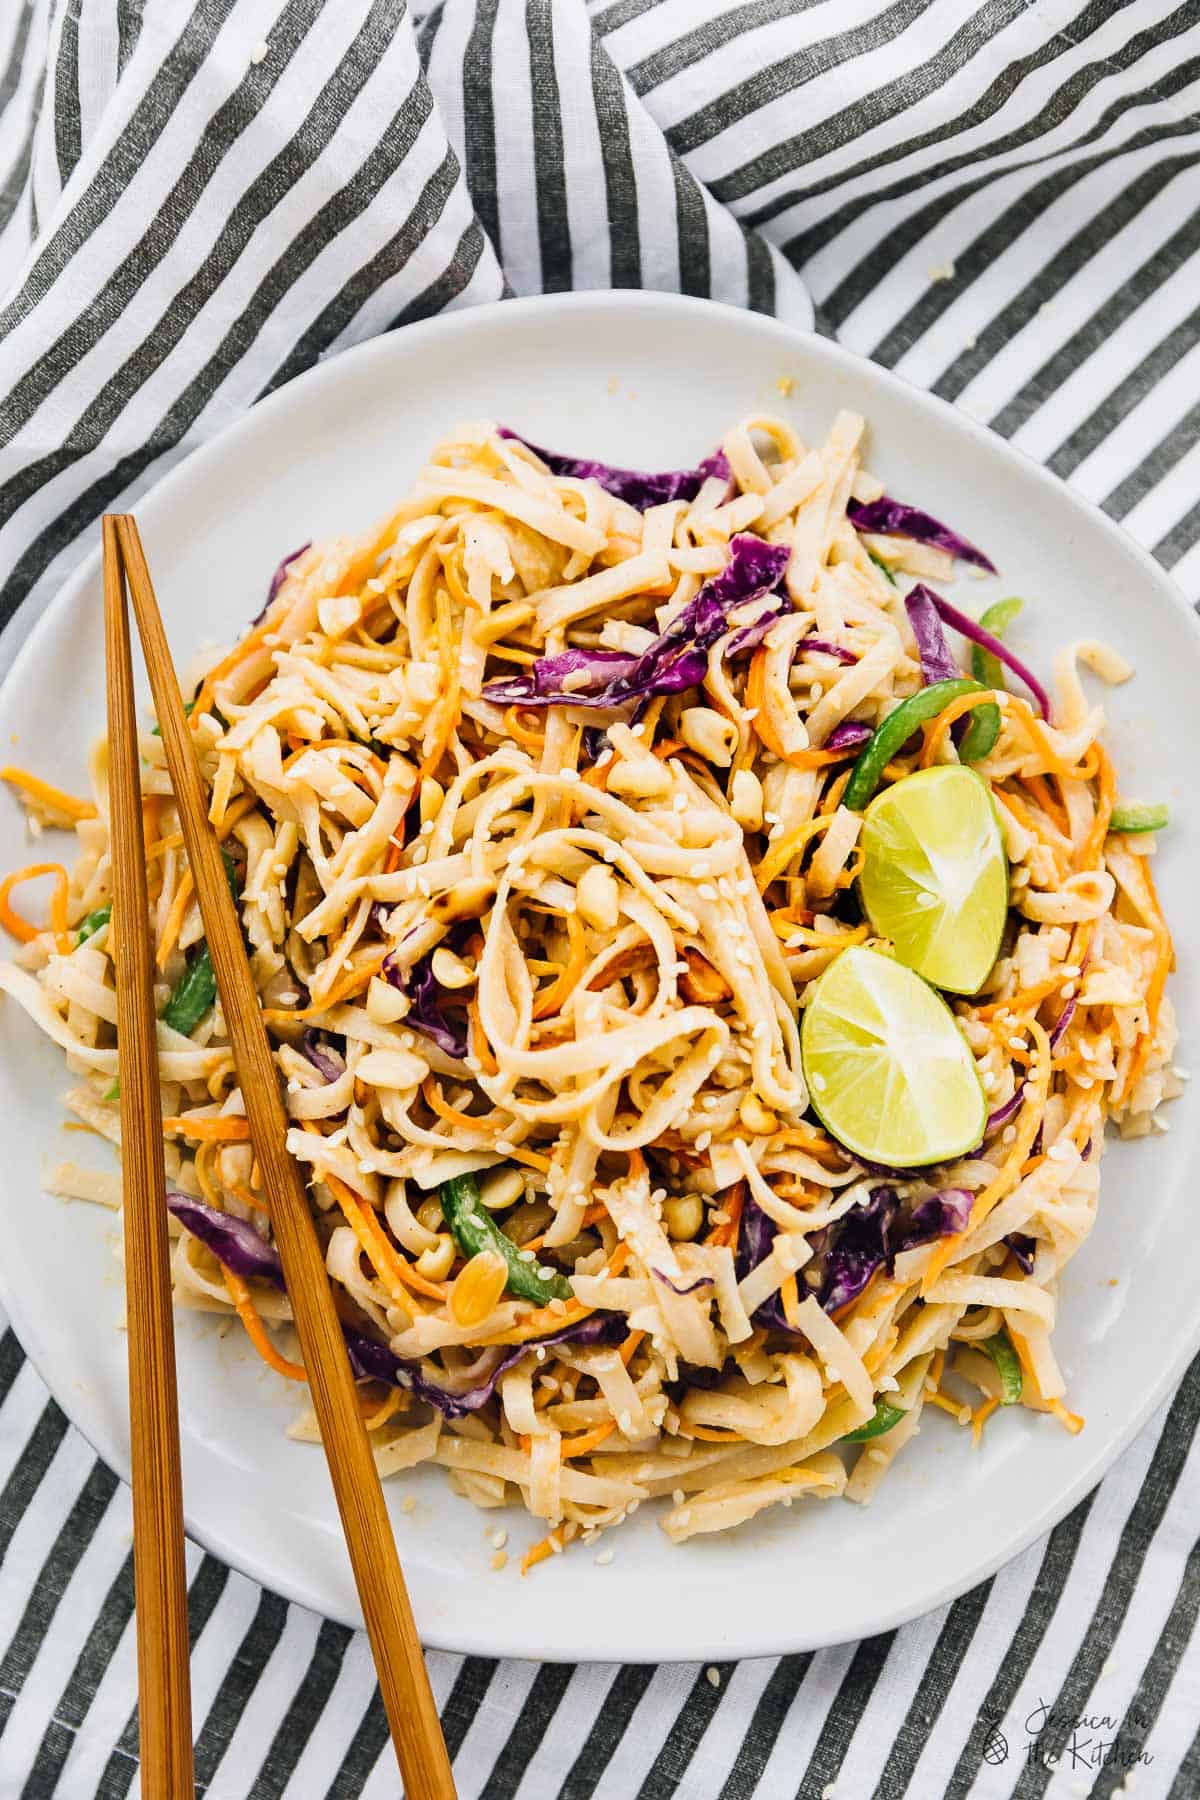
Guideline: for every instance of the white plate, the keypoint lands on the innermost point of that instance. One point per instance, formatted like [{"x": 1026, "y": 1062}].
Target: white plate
[{"x": 649, "y": 380}]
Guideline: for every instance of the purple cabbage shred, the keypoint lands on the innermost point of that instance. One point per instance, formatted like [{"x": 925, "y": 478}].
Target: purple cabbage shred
[
  {"x": 850, "y": 1251},
  {"x": 634, "y": 486},
  {"x": 278, "y": 579},
  {"x": 238, "y": 1247},
  {"x": 675, "y": 661},
  {"x": 427, "y": 1001},
  {"x": 975, "y": 633},
  {"x": 886, "y": 517}
]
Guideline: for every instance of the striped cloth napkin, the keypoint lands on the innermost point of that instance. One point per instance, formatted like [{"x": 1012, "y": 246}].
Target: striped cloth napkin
[{"x": 201, "y": 198}]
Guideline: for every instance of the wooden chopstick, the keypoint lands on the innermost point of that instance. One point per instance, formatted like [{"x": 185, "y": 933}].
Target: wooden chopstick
[
  {"x": 160, "y": 1580},
  {"x": 399, "y": 1661}
]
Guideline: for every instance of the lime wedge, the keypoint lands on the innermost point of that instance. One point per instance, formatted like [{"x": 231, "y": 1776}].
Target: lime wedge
[
  {"x": 935, "y": 877},
  {"x": 889, "y": 1072}
]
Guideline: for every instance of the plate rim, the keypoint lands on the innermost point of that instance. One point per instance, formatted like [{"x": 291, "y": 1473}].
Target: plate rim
[{"x": 460, "y": 1634}]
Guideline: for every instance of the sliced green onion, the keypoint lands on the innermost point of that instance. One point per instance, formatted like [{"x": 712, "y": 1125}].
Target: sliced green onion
[
  {"x": 474, "y": 1229},
  {"x": 1132, "y": 816},
  {"x": 114, "y": 1092},
  {"x": 94, "y": 922},
  {"x": 1007, "y": 1365},
  {"x": 885, "y": 1417}
]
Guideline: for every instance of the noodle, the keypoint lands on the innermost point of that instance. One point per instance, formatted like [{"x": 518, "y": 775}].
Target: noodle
[{"x": 566, "y": 942}]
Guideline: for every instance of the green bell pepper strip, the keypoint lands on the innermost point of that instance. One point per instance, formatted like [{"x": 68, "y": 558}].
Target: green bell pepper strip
[
  {"x": 193, "y": 994},
  {"x": 196, "y": 989},
  {"x": 1132, "y": 816},
  {"x": 114, "y": 1092},
  {"x": 895, "y": 732},
  {"x": 1007, "y": 1365},
  {"x": 886, "y": 1416},
  {"x": 984, "y": 666},
  {"x": 474, "y": 1229},
  {"x": 92, "y": 923}
]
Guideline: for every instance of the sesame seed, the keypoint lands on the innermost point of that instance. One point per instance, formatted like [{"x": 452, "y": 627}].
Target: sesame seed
[
  {"x": 603, "y": 1559},
  {"x": 1016, "y": 1043},
  {"x": 409, "y": 1503},
  {"x": 712, "y": 1676},
  {"x": 498, "y": 1561},
  {"x": 499, "y": 1539},
  {"x": 704, "y": 1140},
  {"x": 259, "y": 52}
]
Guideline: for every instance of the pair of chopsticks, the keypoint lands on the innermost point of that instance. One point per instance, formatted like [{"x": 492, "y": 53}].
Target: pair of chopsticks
[{"x": 162, "y": 1626}]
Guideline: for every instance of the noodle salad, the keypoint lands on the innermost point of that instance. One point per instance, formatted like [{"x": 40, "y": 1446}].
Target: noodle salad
[{"x": 700, "y": 960}]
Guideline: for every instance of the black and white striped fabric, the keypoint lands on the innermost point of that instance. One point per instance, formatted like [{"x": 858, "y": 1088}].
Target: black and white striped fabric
[{"x": 201, "y": 198}]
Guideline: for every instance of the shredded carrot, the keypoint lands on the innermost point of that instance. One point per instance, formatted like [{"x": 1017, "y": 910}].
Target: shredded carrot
[
  {"x": 239, "y": 1293},
  {"x": 587, "y": 1441},
  {"x": 581, "y": 1445},
  {"x": 536, "y": 1553},
  {"x": 592, "y": 1216},
  {"x": 1151, "y": 911},
  {"x": 832, "y": 797},
  {"x": 160, "y": 846},
  {"x": 533, "y": 740},
  {"x": 393, "y": 1402},
  {"x": 1023, "y": 999},
  {"x": 937, "y": 728},
  {"x": 1009, "y": 1171},
  {"x": 175, "y": 918},
  {"x": 480, "y": 1047},
  {"x": 440, "y": 1105},
  {"x": 791, "y": 1301},
  {"x": 240, "y": 653},
  {"x": 533, "y": 1159},
  {"x": 1072, "y": 1421},
  {"x": 1033, "y": 724},
  {"x": 396, "y": 1273},
  {"x": 20, "y": 928},
  {"x": 352, "y": 983},
  {"x": 781, "y": 853},
  {"x": 709, "y": 1434},
  {"x": 1093, "y": 843},
  {"x": 54, "y": 798},
  {"x": 551, "y": 1000},
  {"x": 247, "y": 1198},
  {"x": 955, "y": 1408},
  {"x": 727, "y": 1232},
  {"x": 980, "y": 1417},
  {"x": 1053, "y": 809},
  {"x": 230, "y": 1128},
  {"x": 629, "y": 1348},
  {"x": 767, "y": 727},
  {"x": 558, "y": 1313}
]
